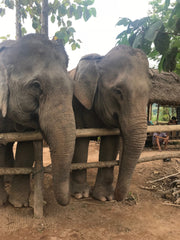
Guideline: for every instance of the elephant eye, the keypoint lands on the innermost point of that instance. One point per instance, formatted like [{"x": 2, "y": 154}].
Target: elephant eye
[
  {"x": 36, "y": 86},
  {"x": 35, "y": 83},
  {"x": 118, "y": 92}
]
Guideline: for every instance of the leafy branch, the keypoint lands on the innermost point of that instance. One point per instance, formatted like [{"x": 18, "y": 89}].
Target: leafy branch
[
  {"x": 61, "y": 13},
  {"x": 158, "y": 35}
]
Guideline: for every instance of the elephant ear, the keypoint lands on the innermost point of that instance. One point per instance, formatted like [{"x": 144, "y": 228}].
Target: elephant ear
[
  {"x": 86, "y": 79},
  {"x": 3, "y": 90}
]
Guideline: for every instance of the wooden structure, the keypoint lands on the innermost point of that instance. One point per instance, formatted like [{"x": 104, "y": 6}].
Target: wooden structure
[
  {"x": 38, "y": 169},
  {"x": 165, "y": 88}
]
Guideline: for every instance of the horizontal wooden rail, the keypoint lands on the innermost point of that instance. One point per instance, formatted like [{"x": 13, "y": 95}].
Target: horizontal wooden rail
[
  {"x": 13, "y": 171},
  {"x": 31, "y": 136},
  {"x": 159, "y": 156},
  {"x": 89, "y": 132},
  {"x": 79, "y": 166},
  {"x": 36, "y": 135},
  {"x": 20, "y": 137},
  {"x": 176, "y": 141},
  {"x": 163, "y": 128},
  {"x": 95, "y": 132}
]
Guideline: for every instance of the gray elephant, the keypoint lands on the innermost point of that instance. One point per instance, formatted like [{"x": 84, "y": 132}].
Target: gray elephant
[
  {"x": 110, "y": 92},
  {"x": 36, "y": 93}
]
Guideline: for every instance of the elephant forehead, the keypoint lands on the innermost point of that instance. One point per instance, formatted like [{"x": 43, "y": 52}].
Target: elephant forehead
[
  {"x": 24, "y": 53},
  {"x": 26, "y": 62},
  {"x": 22, "y": 74},
  {"x": 27, "y": 69},
  {"x": 125, "y": 59},
  {"x": 125, "y": 54},
  {"x": 125, "y": 65},
  {"x": 123, "y": 78},
  {"x": 128, "y": 84}
]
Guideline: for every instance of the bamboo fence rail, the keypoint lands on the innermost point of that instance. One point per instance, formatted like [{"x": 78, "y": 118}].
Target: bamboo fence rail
[{"x": 89, "y": 132}]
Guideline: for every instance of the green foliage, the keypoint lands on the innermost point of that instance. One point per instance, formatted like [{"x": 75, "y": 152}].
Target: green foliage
[
  {"x": 60, "y": 12},
  {"x": 158, "y": 35},
  {"x": 5, "y": 37},
  {"x": 165, "y": 113},
  {"x": 2, "y": 12},
  {"x": 161, "y": 42},
  {"x": 63, "y": 11},
  {"x": 9, "y": 3}
]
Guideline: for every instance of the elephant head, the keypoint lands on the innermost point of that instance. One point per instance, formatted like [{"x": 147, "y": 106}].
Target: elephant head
[
  {"x": 36, "y": 92},
  {"x": 116, "y": 86}
]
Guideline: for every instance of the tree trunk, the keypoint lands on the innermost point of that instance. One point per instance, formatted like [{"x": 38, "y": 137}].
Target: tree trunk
[
  {"x": 18, "y": 20},
  {"x": 178, "y": 115},
  {"x": 44, "y": 18}
]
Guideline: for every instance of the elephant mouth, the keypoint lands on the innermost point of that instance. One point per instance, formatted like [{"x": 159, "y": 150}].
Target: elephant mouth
[
  {"x": 108, "y": 117},
  {"x": 30, "y": 123},
  {"x": 116, "y": 119},
  {"x": 111, "y": 121},
  {"x": 22, "y": 128}
]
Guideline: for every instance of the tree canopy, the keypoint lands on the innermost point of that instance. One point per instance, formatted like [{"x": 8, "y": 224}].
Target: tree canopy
[
  {"x": 60, "y": 12},
  {"x": 158, "y": 34}
]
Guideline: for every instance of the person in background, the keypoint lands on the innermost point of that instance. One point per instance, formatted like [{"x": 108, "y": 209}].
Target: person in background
[
  {"x": 149, "y": 142},
  {"x": 160, "y": 139},
  {"x": 150, "y": 123},
  {"x": 172, "y": 121}
]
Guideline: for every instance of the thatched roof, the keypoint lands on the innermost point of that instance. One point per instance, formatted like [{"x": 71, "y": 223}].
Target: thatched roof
[{"x": 165, "y": 88}]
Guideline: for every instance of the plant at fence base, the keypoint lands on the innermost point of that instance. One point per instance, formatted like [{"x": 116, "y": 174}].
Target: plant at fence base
[
  {"x": 158, "y": 34},
  {"x": 60, "y": 12}
]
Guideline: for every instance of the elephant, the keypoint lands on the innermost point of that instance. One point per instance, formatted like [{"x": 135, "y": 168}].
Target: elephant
[
  {"x": 110, "y": 91},
  {"x": 36, "y": 94}
]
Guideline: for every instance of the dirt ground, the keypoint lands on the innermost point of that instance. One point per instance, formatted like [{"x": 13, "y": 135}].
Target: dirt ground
[{"x": 145, "y": 215}]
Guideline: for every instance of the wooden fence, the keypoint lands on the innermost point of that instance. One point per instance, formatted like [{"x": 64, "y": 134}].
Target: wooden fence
[{"x": 38, "y": 169}]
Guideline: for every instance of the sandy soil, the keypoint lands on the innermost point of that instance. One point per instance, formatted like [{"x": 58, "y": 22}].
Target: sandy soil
[{"x": 143, "y": 216}]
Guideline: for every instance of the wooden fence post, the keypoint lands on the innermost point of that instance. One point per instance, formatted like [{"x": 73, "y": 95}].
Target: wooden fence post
[
  {"x": 38, "y": 179},
  {"x": 178, "y": 115}
]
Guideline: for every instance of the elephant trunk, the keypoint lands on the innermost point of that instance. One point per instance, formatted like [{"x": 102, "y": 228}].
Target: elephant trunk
[
  {"x": 134, "y": 136},
  {"x": 58, "y": 127}
]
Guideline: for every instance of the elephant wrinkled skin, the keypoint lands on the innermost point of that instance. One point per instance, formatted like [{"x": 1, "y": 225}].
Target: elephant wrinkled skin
[
  {"x": 110, "y": 92},
  {"x": 36, "y": 93}
]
